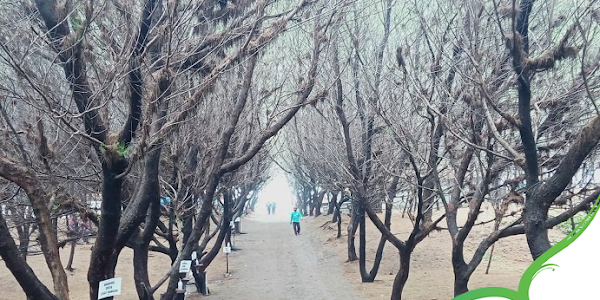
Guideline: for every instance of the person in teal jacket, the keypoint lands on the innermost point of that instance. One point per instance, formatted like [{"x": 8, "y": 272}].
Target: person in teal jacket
[{"x": 295, "y": 220}]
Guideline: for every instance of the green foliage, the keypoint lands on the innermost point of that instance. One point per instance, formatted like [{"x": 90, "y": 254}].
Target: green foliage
[
  {"x": 123, "y": 150},
  {"x": 76, "y": 22},
  {"x": 566, "y": 226},
  {"x": 119, "y": 148}
]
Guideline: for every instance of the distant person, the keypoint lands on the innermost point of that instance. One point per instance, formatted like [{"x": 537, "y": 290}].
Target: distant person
[
  {"x": 273, "y": 207},
  {"x": 85, "y": 231},
  {"x": 74, "y": 226},
  {"x": 295, "y": 220},
  {"x": 269, "y": 207}
]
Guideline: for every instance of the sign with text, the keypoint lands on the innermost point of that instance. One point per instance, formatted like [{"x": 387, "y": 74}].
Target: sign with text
[
  {"x": 227, "y": 250},
  {"x": 109, "y": 287},
  {"x": 184, "y": 266},
  {"x": 194, "y": 255}
]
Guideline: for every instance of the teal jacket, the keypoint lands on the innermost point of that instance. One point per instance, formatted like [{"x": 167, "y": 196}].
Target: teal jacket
[{"x": 296, "y": 217}]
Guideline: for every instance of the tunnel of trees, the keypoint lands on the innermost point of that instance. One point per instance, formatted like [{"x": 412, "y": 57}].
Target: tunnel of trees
[{"x": 157, "y": 122}]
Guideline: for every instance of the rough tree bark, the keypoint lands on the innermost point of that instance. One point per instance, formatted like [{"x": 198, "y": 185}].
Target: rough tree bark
[
  {"x": 33, "y": 287},
  {"x": 27, "y": 180},
  {"x": 540, "y": 195},
  {"x": 70, "y": 53}
]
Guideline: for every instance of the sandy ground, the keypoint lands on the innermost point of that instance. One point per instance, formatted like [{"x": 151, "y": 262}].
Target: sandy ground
[
  {"x": 78, "y": 286},
  {"x": 159, "y": 265},
  {"x": 431, "y": 276},
  {"x": 275, "y": 264}
]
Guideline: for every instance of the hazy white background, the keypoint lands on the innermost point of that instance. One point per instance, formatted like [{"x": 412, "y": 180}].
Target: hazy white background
[{"x": 276, "y": 190}]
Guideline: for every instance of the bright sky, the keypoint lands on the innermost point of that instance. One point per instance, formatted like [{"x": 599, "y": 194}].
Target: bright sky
[{"x": 276, "y": 190}]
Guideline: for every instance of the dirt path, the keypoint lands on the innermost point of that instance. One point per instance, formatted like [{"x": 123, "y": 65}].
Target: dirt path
[{"x": 273, "y": 264}]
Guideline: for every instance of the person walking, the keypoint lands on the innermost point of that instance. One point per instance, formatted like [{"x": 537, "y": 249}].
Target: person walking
[
  {"x": 85, "y": 231},
  {"x": 295, "y": 220}
]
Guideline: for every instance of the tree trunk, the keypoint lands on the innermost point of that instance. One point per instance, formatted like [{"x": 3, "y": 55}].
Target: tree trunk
[
  {"x": 370, "y": 276},
  {"x": 188, "y": 215},
  {"x": 317, "y": 207},
  {"x": 332, "y": 203},
  {"x": 140, "y": 250},
  {"x": 71, "y": 256},
  {"x": 336, "y": 212},
  {"x": 140, "y": 270},
  {"x": 23, "y": 232},
  {"x": 224, "y": 232},
  {"x": 339, "y": 226},
  {"x": 337, "y": 217},
  {"x": 102, "y": 262},
  {"x": 192, "y": 244},
  {"x": 27, "y": 180},
  {"x": 31, "y": 285},
  {"x": 310, "y": 201},
  {"x": 535, "y": 226},
  {"x": 352, "y": 227},
  {"x": 187, "y": 220},
  {"x": 460, "y": 284},
  {"x": 402, "y": 275}
]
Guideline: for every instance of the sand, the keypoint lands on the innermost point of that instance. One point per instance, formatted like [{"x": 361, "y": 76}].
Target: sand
[{"x": 275, "y": 264}]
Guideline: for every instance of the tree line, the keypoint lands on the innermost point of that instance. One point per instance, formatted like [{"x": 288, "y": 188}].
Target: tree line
[
  {"x": 155, "y": 120},
  {"x": 156, "y": 112},
  {"x": 437, "y": 108}
]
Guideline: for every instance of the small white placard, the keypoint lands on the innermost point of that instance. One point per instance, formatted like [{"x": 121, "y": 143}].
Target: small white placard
[
  {"x": 184, "y": 266},
  {"x": 194, "y": 255},
  {"x": 237, "y": 219},
  {"x": 109, "y": 287},
  {"x": 227, "y": 250}
]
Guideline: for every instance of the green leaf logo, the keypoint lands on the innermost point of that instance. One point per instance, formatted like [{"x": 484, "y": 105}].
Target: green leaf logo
[{"x": 538, "y": 266}]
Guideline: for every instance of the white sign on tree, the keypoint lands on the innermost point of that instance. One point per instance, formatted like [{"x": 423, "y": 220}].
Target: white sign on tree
[
  {"x": 109, "y": 287},
  {"x": 184, "y": 266}
]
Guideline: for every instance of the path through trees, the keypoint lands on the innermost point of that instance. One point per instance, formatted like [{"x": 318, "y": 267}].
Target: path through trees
[{"x": 274, "y": 264}]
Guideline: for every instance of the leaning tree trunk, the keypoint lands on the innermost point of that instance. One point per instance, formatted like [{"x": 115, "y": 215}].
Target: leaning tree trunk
[
  {"x": 352, "y": 227},
  {"x": 33, "y": 287},
  {"x": 402, "y": 275},
  {"x": 23, "y": 177},
  {"x": 140, "y": 252},
  {"x": 141, "y": 244},
  {"x": 370, "y": 275},
  {"x": 224, "y": 232}
]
